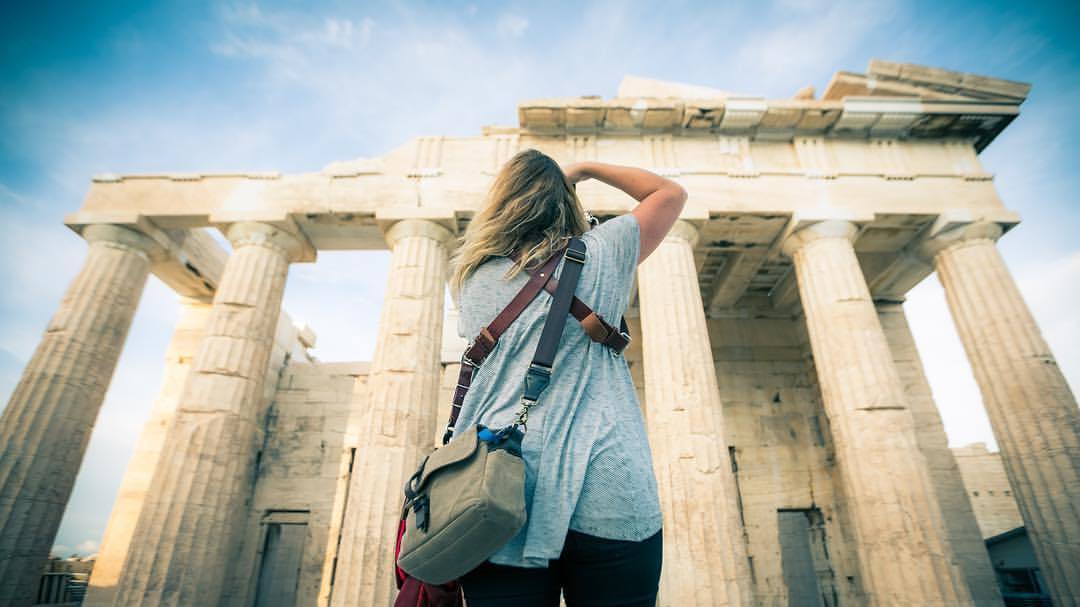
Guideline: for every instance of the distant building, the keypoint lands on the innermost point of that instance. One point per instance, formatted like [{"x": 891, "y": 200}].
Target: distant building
[
  {"x": 988, "y": 489},
  {"x": 64, "y": 580},
  {"x": 1011, "y": 552}
]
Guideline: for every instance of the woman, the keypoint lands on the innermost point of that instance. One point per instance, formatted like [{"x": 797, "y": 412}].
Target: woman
[{"x": 594, "y": 521}]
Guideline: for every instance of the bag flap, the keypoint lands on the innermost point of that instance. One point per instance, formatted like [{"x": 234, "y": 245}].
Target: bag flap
[{"x": 458, "y": 449}]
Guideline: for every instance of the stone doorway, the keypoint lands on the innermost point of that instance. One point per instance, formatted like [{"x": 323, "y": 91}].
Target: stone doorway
[{"x": 804, "y": 558}]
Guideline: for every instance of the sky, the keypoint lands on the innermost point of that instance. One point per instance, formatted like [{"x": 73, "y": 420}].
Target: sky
[{"x": 135, "y": 87}]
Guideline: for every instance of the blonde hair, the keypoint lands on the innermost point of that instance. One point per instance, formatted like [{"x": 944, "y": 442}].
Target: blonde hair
[{"x": 531, "y": 210}]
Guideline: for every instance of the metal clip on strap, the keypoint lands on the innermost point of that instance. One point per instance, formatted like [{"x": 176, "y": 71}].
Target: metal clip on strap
[{"x": 536, "y": 380}]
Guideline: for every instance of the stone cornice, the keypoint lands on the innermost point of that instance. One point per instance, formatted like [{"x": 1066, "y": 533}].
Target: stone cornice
[{"x": 773, "y": 120}]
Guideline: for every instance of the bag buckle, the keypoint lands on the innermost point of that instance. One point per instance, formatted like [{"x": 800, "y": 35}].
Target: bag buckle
[
  {"x": 575, "y": 255},
  {"x": 536, "y": 381},
  {"x": 421, "y": 508},
  {"x": 617, "y": 353},
  {"x": 465, "y": 355}
]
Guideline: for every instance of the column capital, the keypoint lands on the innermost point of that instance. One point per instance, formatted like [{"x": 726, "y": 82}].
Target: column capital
[
  {"x": 957, "y": 235},
  {"x": 831, "y": 228},
  {"x": 245, "y": 233},
  {"x": 426, "y": 228},
  {"x": 685, "y": 230},
  {"x": 119, "y": 236}
]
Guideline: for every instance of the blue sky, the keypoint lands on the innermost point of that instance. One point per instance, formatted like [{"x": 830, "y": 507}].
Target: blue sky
[{"x": 125, "y": 87}]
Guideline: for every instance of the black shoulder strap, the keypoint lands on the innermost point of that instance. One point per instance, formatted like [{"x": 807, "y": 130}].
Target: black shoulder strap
[{"x": 539, "y": 373}]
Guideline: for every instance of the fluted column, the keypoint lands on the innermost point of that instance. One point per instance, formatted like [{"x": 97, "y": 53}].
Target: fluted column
[
  {"x": 963, "y": 531},
  {"x": 192, "y": 516},
  {"x": 395, "y": 426},
  {"x": 901, "y": 540},
  {"x": 1031, "y": 408},
  {"x": 47, "y": 423},
  {"x": 705, "y": 560},
  {"x": 183, "y": 347}
]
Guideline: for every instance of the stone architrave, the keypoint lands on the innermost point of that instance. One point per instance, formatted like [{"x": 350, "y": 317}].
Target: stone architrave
[
  {"x": 394, "y": 429},
  {"x": 183, "y": 347},
  {"x": 193, "y": 514},
  {"x": 898, "y": 527},
  {"x": 1032, "y": 411},
  {"x": 705, "y": 559},
  {"x": 46, "y": 426}
]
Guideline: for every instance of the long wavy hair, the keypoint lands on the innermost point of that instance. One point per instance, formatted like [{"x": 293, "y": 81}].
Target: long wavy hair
[{"x": 530, "y": 212}]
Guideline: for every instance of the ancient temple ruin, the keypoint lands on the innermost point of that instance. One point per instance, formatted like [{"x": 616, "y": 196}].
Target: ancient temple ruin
[{"x": 799, "y": 453}]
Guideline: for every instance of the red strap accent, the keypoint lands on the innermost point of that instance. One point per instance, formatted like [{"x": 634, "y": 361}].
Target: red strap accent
[{"x": 415, "y": 593}]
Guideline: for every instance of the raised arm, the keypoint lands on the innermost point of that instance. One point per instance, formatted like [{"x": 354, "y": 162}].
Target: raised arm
[{"x": 661, "y": 199}]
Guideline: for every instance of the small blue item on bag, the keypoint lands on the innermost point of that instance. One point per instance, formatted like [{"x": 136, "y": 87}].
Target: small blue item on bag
[{"x": 508, "y": 438}]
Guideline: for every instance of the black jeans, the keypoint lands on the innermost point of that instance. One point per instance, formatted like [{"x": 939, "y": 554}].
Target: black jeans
[{"x": 590, "y": 571}]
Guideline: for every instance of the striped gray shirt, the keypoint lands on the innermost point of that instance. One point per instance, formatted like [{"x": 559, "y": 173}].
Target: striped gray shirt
[{"x": 588, "y": 464}]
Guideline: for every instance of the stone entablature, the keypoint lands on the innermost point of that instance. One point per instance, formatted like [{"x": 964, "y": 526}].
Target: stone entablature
[
  {"x": 746, "y": 196},
  {"x": 749, "y": 185}
]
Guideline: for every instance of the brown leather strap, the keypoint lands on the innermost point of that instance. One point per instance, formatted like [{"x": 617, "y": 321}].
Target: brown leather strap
[
  {"x": 485, "y": 342},
  {"x": 592, "y": 323}
]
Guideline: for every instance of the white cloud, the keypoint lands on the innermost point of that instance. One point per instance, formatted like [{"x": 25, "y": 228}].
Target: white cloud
[
  {"x": 289, "y": 37},
  {"x": 40, "y": 256},
  {"x": 87, "y": 547},
  {"x": 808, "y": 37},
  {"x": 512, "y": 25}
]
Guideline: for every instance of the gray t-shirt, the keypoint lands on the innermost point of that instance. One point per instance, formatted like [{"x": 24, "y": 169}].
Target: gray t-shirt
[{"x": 588, "y": 464}]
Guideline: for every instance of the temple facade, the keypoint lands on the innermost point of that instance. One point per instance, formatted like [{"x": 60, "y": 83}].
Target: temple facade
[{"x": 800, "y": 456}]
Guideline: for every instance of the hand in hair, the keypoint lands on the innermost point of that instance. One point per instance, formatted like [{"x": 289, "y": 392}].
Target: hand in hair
[
  {"x": 576, "y": 172},
  {"x": 661, "y": 199}
]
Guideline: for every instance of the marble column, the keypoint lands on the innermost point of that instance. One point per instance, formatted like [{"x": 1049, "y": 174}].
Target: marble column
[
  {"x": 963, "y": 530},
  {"x": 1031, "y": 408},
  {"x": 394, "y": 428},
  {"x": 705, "y": 560},
  {"x": 192, "y": 516},
  {"x": 898, "y": 527},
  {"x": 187, "y": 335},
  {"x": 47, "y": 423}
]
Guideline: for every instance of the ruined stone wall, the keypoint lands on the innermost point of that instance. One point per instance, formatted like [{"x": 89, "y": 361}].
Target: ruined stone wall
[
  {"x": 988, "y": 489},
  {"x": 777, "y": 430},
  {"x": 187, "y": 338},
  {"x": 298, "y": 476}
]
